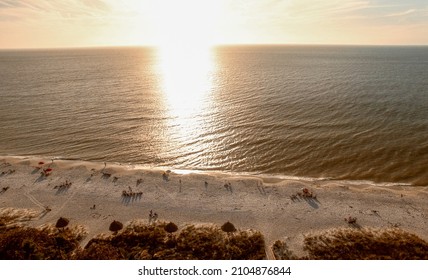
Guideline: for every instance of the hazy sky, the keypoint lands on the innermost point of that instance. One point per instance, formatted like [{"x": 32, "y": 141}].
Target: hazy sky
[{"x": 71, "y": 23}]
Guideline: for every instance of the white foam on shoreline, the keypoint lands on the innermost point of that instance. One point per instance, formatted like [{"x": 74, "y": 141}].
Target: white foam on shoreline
[{"x": 216, "y": 173}]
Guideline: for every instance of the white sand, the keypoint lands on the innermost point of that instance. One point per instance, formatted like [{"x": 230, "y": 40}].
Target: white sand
[{"x": 260, "y": 203}]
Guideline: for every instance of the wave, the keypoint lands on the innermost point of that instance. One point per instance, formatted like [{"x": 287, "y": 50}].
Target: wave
[{"x": 262, "y": 176}]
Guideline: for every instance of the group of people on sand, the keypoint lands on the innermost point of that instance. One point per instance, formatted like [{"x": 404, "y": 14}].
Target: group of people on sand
[
  {"x": 10, "y": 171},
  {"x": 228, "y": 186},
  {"x": 305, "y": 194},
  {"x": 131, "y": 193},
  {"x": 63, "y": 186}
]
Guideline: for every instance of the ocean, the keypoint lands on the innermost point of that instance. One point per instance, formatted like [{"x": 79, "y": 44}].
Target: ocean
[{"x": 320, "y": 112}]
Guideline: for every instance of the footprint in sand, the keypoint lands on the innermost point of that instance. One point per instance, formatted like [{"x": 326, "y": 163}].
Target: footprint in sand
[{"x": 96, "y": 215}]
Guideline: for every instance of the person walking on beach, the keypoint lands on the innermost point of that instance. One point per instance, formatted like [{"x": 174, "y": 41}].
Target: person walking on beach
[{"x": 150, "y": 216}]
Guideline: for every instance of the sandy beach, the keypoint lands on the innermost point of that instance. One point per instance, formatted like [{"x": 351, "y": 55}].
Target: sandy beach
[{"x": 93, "y": 194}]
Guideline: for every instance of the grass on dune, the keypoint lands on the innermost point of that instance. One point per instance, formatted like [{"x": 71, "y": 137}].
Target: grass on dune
[
  {"x": 192, "y": 242},
  {"x": 359, "y": 244},
  {"x": 136, "y": 241}
]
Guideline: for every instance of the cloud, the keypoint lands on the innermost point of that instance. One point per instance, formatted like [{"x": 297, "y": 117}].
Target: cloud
[
  {"x": 324, "y": 9},
  {"x": 9, "y": 3},
  {"x": 97, "y": 4},
  {"x": 400, "y": 14},
  {"x": 46, "y": 9},
  {"x": 242, "y": 21}
]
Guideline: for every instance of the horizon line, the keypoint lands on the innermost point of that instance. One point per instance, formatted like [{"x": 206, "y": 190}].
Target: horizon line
[{"x": 214, "y": 46}]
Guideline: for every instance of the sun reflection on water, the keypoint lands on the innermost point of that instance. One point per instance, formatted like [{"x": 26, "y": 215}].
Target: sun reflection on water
[{"x": 186, "y": 76}]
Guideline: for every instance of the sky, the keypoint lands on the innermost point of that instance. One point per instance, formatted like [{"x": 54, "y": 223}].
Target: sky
[{"x": 81, "y": 23}]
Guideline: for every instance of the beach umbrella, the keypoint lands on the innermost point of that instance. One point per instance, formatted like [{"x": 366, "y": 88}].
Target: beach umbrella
[
  {"x": 171, "y": 227},
  {"x": 228, "y": 227},
  {"x": 115, "y": 226},
  {"x": 62, "y": 222},
  {"x": 46, "y": 172}
]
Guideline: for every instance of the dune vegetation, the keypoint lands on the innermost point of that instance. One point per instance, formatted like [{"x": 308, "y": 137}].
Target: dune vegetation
[
  {"x": 366, "y": 244},
  {"x": 159, "y": 241},
  {"x": 167, "y": 241},
  {"x": 357, "y": 244}
]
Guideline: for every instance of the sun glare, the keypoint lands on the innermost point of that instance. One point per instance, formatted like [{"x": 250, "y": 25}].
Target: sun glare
[
  {"x": 185, "y": 22},
  {"x": 185, "y": 35},
  {"x": 186, "y": 77}
]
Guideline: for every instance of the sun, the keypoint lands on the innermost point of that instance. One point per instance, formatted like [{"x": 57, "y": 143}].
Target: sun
[{"x": 185, "y": 23}]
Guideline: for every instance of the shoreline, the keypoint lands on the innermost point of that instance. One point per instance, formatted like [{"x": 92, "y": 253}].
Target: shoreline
[
  {"x": 276, "y": 177},
  {"x": 256, "y": 202}
]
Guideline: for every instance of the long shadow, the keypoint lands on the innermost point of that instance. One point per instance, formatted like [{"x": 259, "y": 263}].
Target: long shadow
[
  {"x": 126, "y": 199},
  {"x": 228, "y": 187},
  {"x": 61, "y": 190},
  {"x": 355, "y": 225},
  {"x": 9, "y": 172},
  {"x": 137, "y": 197},
  {"x": 36, "y": 170},
  {"x": 376, "y": 213},
  {"x": 312, "y": 202},
  {"x": 261, "y": 190},
  {"x": 40, "y": 179},
  {"x": 3, "y": 190},
  {"x": 44, "y": 213}
]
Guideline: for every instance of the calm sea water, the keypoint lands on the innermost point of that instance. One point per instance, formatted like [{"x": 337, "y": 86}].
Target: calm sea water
[{"x": 354, "y": 113}]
